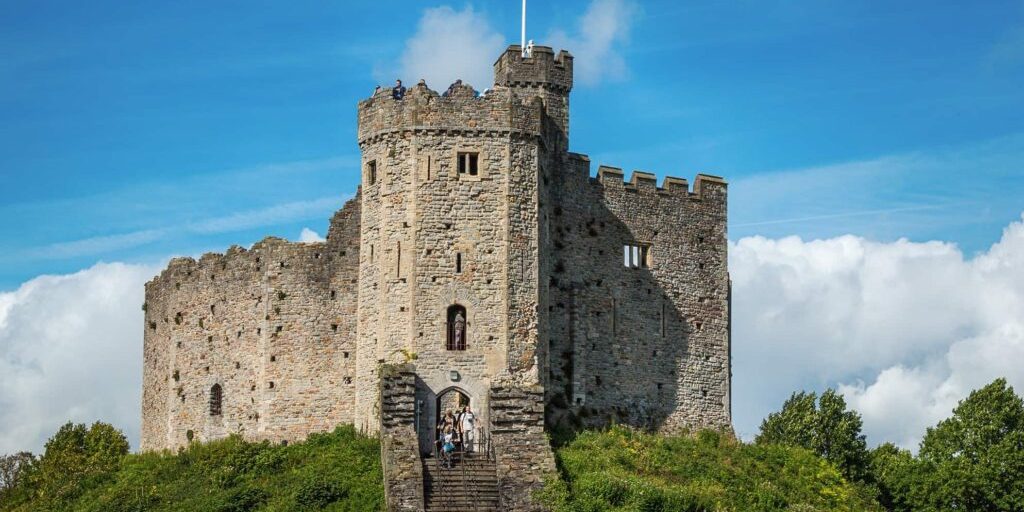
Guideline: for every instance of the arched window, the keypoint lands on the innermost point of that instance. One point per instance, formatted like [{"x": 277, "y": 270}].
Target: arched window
[
  {"x": 456, "y": 328},
  {"x": 215, "y": 400}
]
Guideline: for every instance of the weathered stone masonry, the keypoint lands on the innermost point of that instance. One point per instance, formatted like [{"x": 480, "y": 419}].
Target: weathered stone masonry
[{"x": 468, "y": 203}]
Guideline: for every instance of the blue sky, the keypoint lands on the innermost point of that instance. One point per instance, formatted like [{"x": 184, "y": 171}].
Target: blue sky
[
  {"x": 122, "y": 123},
  {"x": 131, "y": 132}
]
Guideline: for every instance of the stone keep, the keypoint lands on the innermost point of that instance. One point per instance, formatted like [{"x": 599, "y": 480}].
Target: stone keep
[{"x": 597, "y": 299}]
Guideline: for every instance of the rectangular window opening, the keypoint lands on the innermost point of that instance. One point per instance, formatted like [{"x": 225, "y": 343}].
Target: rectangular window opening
[
  {"x": 636, "y": 256},
  {"x": 469, "y": 163},
  {"x": 458, "y": 263},
  {"x": 371, "y": 172}
]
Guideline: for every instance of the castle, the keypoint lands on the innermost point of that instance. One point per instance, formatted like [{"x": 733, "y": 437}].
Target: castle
[{"x": 480, "y": 263}]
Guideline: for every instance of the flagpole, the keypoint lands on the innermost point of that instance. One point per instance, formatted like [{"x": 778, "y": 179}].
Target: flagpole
[{"x": 523, "y": 38}]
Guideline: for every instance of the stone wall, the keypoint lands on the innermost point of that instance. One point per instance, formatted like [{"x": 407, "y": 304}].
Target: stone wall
[
  {"x": 273, "y": 326},
  {"x": 522, "y": 451},
  {"x": 400, "y": 458},
  {"x": 645, "y": 346}
]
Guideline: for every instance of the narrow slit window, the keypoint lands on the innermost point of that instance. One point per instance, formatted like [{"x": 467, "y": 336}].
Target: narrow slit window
[
  {"x": 663, "y": 320},
  {"x": 615, "y": 317},
  {"x": 398, "y": 261},
  {"x": 216, "y": 396},
  {"x": 371, "y": 172},
  {"x": 458, "y": 263},
  {"x": 469, "y": 163}
]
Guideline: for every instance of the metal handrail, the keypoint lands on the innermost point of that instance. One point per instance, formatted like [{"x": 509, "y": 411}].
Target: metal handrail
[
  {"x": 484, "y": 446},
  {"x": 443, "y": 482}
]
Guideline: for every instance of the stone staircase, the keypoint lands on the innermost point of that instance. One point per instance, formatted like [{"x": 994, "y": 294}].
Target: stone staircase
[{"x": 471, "y": 485}]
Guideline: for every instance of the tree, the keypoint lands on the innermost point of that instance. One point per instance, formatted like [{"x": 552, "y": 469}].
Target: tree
[
  {"x": 893, "y": 472},
  {"x": 974, "y": 460},
  {"x": 13, "y": 469},
  {"x": 75, "y": 456},
  {"x": 823, "y": 426}
]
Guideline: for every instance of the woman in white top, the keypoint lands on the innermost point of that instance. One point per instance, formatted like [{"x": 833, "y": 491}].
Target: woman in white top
[{"x": 467, "y": 421}]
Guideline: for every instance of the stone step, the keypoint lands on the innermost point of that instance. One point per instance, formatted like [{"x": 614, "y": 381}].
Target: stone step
[
  {"x": 438, "y": 474},
  {"x": 462, "y": 498},
  {"x": 471, "y": 484},
  {"x": 462, "y": 506}
]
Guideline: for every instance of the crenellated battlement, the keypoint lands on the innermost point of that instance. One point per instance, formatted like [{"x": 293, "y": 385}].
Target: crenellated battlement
[
  {"x": 423, "y": 109},
  {"x": 542, "y": 69},
  {"x": 704, "y": 185}
]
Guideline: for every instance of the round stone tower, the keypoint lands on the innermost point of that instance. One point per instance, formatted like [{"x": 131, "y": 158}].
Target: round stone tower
[{"x": 449, "y": 260}]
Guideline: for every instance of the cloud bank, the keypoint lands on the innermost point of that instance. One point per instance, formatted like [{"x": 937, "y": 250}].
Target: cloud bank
[
  {"x": 905, "y": 329},
  {"x": 597, "y": 41},
  {"x": 308, "y": 236},
  {"x": 71, "y": 350},
  {"x": 450, "y": 44}
]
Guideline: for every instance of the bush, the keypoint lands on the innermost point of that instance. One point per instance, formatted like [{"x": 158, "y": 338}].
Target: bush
[
  {"x": 319, "y": 494},
  {"x": 621, "y": 469},
  {"x": 338, "y": 471}
]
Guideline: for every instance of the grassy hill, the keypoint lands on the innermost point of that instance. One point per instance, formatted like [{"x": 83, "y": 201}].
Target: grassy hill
[
  {"x": 618, "y": 469},
  {"x": 339, "y": 471},
  {"x": 625, "y": 470}
]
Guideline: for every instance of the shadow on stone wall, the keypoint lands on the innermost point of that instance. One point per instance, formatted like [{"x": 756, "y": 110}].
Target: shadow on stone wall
[{"x": 645, "y": 346}]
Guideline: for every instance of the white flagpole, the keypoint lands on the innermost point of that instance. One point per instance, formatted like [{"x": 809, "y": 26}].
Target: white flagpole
[{"x": 523, "y": 44}]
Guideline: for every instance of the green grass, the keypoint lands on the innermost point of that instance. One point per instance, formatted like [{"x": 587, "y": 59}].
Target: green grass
[
  {"x": 624, "y": 470},
  {"x": 339, "y": 471},
  {"x": 618, "y": 469}
]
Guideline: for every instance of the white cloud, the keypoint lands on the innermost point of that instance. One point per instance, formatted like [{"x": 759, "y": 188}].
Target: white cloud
[
  {"x": 71, "y": 350},
  {"x": 309, "y": 236},
  {"x": 920, "y": 322},
  {"x": 904, "y": 329},
  {"x": 602, "y": 30},
  {"x": 448, "y": 45}
]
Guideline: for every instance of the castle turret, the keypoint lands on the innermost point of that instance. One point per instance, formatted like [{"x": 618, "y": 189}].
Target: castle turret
[
  {"x": 542, "y": 74},
  {"x": 450, "y": 235}
]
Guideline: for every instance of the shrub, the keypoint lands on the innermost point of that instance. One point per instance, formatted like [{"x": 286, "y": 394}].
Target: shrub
[
  {"x": 319, "y": 493},
  {"x": 621, "y": 469}
]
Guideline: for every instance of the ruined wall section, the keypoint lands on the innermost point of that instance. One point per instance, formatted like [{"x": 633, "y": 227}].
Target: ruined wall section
[
  {"x": 433, "y": 238},
  {"x": 273, "y": 326},
  {"x": 645, "y": 346}
]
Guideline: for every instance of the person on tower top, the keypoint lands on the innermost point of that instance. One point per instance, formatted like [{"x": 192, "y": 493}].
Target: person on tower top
[{"x": 398, "y": 92}]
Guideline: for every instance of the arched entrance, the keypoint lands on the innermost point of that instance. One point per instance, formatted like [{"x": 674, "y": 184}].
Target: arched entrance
[
  {"x": 450, "y": 400},
  {"x": 438, "y": 392}
]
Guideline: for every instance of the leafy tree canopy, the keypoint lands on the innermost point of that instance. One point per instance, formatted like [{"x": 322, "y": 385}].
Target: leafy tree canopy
[
  {"x": 822, "y": 425},
  {"x": 974, "y": 460}
]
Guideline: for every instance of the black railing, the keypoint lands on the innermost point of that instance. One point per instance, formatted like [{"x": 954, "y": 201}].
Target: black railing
[{"x": 465, "y": 447}]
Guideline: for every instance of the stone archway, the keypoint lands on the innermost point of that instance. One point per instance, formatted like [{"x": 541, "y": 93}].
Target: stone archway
[
  {"x": 435, "y": 393},
  {"x": 451, "y": 399}
]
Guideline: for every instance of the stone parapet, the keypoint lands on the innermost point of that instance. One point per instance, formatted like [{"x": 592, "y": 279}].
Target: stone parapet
[
  {"x": 522, "y": 450},
  {"x": 400, "y": 459}
]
